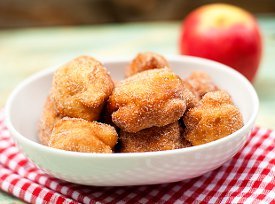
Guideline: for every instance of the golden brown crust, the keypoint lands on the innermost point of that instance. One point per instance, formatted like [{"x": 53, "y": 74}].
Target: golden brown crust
[
  {"x": 152, "y": 139},
  {"x": 81, "y": 87},
  {"x": 145, "y": 61},
  {"x": 200, "y": 83},
  {"x": 47, "y": 121},
  {"x": 215, "y": 117},
  {"x": 146, "y": 108},
  {"x": 74, "y": 134},
  {"x": 151, "y": 98}
]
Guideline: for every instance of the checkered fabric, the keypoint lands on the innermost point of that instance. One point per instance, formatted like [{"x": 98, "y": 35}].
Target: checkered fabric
[{"x": 249, "y": 177}]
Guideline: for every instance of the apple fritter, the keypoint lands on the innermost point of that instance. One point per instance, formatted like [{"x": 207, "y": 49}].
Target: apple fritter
[
  {"x": 75, "y": 134},
  {"x": 215, "y": 117},
  {"x": 155, "y": 97},
  {"x": 81, "y": 87},
  {"x": 47, "y": 121},
  {"x": 145, "y": 61},
  {"x": 200, "y": 83},
  {"x": 153, "y": 139}
]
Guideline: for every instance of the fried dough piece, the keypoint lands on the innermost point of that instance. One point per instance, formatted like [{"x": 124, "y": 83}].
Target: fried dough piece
[
  {"x": 215, "y": 117},
  {"x": 81, "y": 87},
  {"x": 74, "y": 134},
  {"x": 145, "y": 61},
  {"x": 152, "y": 139},
  {"x": 47, "y": 121},
  {"x": 200, "y": 83},
  {"x": 150, "y": 98}
]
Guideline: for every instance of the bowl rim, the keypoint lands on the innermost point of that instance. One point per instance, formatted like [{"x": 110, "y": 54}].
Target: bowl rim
[{"x": 189, "y": 59}]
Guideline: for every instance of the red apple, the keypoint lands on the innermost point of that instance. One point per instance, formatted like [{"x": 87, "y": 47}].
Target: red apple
[{"x": 223, "y": 33}]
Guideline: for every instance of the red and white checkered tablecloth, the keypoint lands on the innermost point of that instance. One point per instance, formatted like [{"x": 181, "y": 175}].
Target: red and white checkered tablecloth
[{"x": 247, "y": 178}]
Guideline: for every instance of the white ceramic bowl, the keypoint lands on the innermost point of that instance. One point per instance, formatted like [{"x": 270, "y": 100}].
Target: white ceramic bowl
[{"x": 24, "y": 109}]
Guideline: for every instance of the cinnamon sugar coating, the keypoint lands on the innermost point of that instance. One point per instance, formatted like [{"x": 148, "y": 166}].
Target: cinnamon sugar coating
[
  {"x": 74, "y": 134},
  {"x": 81, "y": 87},
  {"x": 215, "y": 117},
  {"x": 47, "y": 121},
  {"x": 154, "y": 97},
  {"x": 153, "y": 139},
  {"x": 200, "y": 83},
  {"x": 145, "y": 61}
]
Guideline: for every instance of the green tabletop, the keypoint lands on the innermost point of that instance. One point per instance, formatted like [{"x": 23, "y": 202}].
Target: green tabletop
[{"x": 25, "y": 51}]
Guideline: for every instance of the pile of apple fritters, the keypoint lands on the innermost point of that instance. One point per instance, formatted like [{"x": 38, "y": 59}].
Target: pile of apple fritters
[{"x": 152, "y": 109}]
